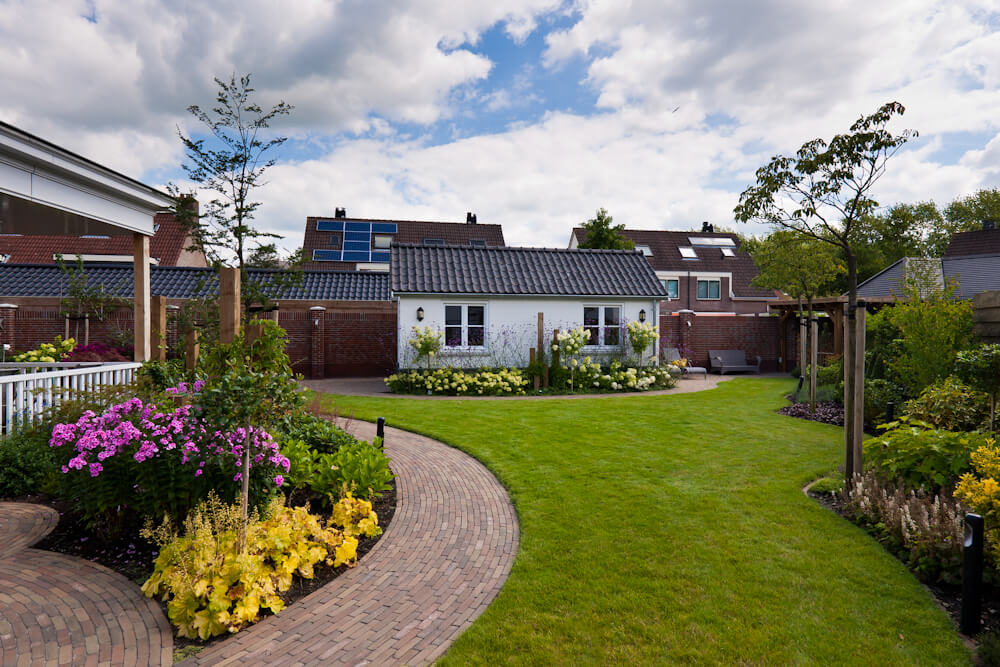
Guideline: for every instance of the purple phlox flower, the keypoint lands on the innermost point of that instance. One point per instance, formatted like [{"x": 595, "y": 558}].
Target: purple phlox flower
[
  {"x": 278, "y": 480},
  {"x": 237, "y": 477}
]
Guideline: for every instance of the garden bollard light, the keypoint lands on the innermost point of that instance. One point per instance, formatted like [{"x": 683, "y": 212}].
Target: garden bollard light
[
  {"x": 890, "y": 411},
  {"x": 380, "y": 430},
  {"x": 972, "y": 574}
]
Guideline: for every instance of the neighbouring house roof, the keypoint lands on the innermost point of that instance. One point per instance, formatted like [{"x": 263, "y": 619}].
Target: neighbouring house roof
[
  {"x": 709, "y": 257},
  {"x": 522, "y": 271},
  {"x": 972, "y": 275},
  {"x": 328, "y": 234},
  {"x": 891, "y": 281},
  {"x": 979, "y": 242},
  {"x": 167, "y": 245},
  {"x": 185, "y": 282}
]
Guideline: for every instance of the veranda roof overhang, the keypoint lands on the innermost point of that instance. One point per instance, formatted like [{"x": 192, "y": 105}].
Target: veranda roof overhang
[{"x": 45, "y": 189}]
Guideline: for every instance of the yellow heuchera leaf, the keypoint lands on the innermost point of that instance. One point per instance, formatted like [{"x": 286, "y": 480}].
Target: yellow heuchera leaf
[
  {"x": 347, "y": 552},
  {"x": 207, "y": 625}
]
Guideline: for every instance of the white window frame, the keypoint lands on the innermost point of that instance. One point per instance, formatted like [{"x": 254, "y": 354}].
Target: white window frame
[
  {"x": 465, "y": 347},
  {"x": 600, "y": 345},
  {"x": 708, "y": 280}
]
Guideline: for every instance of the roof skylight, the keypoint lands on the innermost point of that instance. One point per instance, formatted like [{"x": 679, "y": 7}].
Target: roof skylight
[
  {"x": 712, "y": 242},
  {"x": 728, "y": 252},
  {"x": 645, "y": 250},
  {"x": 688, "y": 253}
]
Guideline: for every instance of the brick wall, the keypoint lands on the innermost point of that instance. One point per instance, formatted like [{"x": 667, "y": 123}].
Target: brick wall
[
  {"x": 342, "y": 338},
  {"x": 755, "y": 335}
]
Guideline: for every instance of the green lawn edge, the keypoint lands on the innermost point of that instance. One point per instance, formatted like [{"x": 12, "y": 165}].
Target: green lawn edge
[{"x": 673, "y": 529}]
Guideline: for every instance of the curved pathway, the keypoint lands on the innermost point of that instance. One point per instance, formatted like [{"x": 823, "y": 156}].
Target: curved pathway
[
  {"x": 60, "y": 610},
  {"x": 442, "y": 560}
]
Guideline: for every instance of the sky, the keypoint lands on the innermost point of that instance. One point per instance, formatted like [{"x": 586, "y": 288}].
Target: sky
[{"x": 530, "y": 113}]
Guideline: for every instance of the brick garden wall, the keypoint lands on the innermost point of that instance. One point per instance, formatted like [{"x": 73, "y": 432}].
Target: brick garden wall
[
  {"x": 335, "y": 339},
  {"x": 755, "y": 335}
]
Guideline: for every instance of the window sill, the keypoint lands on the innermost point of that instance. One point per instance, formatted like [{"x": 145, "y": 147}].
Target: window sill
[{"x": 463, "y": 352}]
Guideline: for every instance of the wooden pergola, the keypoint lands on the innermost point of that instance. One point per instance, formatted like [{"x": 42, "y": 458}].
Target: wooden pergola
[
  {"x": 47, "y": 190},
  {"x": 833, "y": 306}
]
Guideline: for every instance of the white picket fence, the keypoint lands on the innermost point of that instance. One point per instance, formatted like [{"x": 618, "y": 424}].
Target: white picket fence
[{"x": 28, "y": 389}]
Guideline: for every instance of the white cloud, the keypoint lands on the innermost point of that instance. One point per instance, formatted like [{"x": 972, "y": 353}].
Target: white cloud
[{"x": 690, "y": 98}]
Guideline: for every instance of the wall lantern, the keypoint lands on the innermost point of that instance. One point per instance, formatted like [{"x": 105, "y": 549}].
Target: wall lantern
[
  {"x": 642, "y": 315},
  {"x": 420, "y": 314}
]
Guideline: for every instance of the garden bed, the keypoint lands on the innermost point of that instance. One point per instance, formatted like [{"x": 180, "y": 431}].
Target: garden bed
[
  {"x": 948, "y": 597},
  {"x": 132, "y": 556}
]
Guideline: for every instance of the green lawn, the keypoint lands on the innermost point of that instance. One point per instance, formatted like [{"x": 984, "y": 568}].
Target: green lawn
[{"x": 663, "y": 529}]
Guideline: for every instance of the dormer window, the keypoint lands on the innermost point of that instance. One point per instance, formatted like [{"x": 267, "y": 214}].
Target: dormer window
[
  {"x": 688, "y": 253},
  {"x": 644, "y": 249}
]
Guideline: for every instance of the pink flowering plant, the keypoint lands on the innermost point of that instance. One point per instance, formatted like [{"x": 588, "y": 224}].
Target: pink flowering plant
[{"x": 155, "y": 458}]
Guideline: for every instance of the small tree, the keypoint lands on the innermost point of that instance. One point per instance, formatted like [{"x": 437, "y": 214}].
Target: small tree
[
  {"x": 801, "y": 267},
  {"x": 980, "y": 369},
  {"x": 569, "y": 345},
  {"x": 934, "y": 326},
  {"x": 232, "y": 166},
  {"x": 601, "y": 234},
  {"x": 426, "y": 342},
  {"x": 824, "y": 193},
  {"x": 640, "y": 336}
]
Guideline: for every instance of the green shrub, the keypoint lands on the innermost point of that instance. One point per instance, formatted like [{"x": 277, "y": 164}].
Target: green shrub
[
  {"x": 156, "y": 376},
  {"x": 951, "y": 405},
  {"x": 451, "y": 381},
  {"x": 318, "y": 433},
  {"x": 832, "y": 485},
  {"x": 917, "y": 456},
  {"x": 878, "y": 395},
  {"x": 988, "y": 653},
  {"x": 357, "y": 466},
  {"x": 980, "y": 367},
  {"x": 26, "y": 460}
]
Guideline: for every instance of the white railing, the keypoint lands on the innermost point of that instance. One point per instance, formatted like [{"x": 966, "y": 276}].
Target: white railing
[{"x": 24, "y": 396}]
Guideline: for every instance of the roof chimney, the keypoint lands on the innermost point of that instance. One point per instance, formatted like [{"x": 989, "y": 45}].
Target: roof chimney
[
  {"x": 707, "y": 228},
  {"x": 340, "y": 213},
  {"x": 470, "y": 218}
]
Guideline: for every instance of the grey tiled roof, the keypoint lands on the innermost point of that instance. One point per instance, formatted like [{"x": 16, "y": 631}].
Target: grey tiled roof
[
  {"x": 974, "y": 274},
  {"x": 27, "y": 280},
  {"x": 529, "y": 271}
]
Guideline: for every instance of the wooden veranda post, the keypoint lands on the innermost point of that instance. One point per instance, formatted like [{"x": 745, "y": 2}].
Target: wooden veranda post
[
  {"x": 192, "y": 350},
  {"x": 140, "y": 254},
  {"x": 858, "y": 433},
  {"x": 813, "y": 358},
  {"x": 229, "y": 305},
  {"x": 158, "y": 323}
]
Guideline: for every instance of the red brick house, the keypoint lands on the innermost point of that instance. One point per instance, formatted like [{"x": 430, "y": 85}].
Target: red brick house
[
  {"x": 167, "y": 247},
  {"x": 340, "y": 243},
  {"x": 711, "y": 304}
]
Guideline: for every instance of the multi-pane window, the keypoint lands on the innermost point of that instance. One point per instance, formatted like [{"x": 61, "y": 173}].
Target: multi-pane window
[
  {"x": 465, "y": 326},
  {"x": 709, "y": 289},
  {"x": 671, "y": 285},
  {"x": 603, "y": 323}
]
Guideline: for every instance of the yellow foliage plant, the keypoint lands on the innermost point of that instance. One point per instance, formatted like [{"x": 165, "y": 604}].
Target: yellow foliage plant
[
  {"x": 211, "y": 588},
  {"x": 981, "y": 491}
]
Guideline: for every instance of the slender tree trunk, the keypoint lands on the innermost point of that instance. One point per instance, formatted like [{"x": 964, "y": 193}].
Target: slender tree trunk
[
  {"x": 245, "y": 493},
  {"x": 803, "y": 337},
  {"x": 850, "y": 465}
]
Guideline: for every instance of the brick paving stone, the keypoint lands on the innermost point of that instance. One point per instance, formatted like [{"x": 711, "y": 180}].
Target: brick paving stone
[
  {"x": 63, "y": 610},
  {"x": 440, "y": 563}
]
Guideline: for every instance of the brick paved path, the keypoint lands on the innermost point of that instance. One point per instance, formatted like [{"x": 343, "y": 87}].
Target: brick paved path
[
  {"x": 60, "y": 610},
  {"x": 442, "y": 560}
]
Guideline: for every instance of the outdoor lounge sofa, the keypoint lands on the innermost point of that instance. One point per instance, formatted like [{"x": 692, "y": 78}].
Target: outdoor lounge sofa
[{"x": 728, "y": 361}]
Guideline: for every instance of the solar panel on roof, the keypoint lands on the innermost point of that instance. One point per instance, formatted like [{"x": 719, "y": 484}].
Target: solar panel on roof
[
  {"x": 326, "y": 256},
  {"x": 329, "y": 225}
]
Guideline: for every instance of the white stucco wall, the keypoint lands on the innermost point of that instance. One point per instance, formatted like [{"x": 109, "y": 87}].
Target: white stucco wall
[{"x": 512, "y": 326}]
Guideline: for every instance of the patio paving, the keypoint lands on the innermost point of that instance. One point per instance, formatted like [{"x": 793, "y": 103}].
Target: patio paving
[
  {"x": 442, "y": 560},
  {"x": 60, "y": 610}
]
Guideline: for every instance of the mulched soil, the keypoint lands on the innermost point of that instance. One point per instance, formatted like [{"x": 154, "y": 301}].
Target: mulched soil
[
  {"x": 133, "y": 557},
  {"x": 949, "y": 597},
  {"x": 829, "y": 412}
]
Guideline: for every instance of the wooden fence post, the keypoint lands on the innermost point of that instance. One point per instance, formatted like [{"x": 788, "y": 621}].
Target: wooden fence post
[
  {"x": 229, "y": 305},
  {"x": 158, "y": 328},
  {"x": 192, "y": 350},
  {"x": 532, "y": 356},
  {"x": 813, "y": 357}
]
